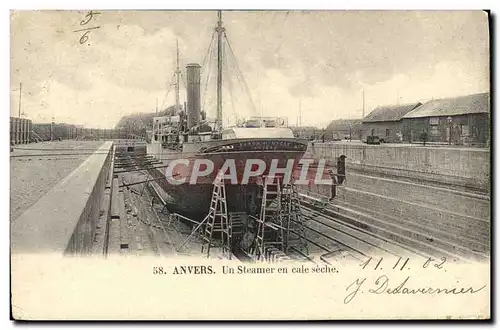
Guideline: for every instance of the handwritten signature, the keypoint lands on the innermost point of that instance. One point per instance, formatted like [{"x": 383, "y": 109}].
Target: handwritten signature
[
  {"x": 85, "y": 36},
  {"x": 381, "y": 286}
]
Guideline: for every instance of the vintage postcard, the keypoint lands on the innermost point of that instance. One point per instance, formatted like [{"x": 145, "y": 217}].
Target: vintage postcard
[{"x": 250, "y": 165}]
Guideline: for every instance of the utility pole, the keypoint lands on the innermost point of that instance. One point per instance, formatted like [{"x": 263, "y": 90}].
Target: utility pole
[
  {"x": 363, "y": 104},
  {"x": 52, "y": 124},
  {"x": 157, "y": 105},
  {"x": 20, "y": 88},
  {"x": 362, "y": 118},
  {"x": 300, "y": 113}
]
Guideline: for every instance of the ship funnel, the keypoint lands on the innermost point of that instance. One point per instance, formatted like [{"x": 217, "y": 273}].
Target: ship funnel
[{"x": 193, "y": 94}]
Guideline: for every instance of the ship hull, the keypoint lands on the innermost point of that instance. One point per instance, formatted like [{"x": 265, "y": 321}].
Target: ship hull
[{"x": 192, "y": 197}]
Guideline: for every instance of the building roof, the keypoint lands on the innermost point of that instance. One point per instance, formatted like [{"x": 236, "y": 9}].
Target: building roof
[
  {"x": 475, "y": 103},
  {"x": 342, "y": 124},
  {"x": 390, "y": 112}
]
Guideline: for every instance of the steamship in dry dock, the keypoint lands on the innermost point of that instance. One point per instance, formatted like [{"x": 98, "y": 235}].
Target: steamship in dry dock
[{"x": 187, "y": 135}]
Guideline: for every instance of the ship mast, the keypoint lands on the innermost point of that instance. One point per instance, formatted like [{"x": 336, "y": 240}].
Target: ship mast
[
  {"x": 177, "y": 87},
  {"x": 220, "y": 31}
]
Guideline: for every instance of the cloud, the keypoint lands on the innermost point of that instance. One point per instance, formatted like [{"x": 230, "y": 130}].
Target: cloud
[
  {"x": 331, "y": 46},
  {"x": 324, "y": 59}
]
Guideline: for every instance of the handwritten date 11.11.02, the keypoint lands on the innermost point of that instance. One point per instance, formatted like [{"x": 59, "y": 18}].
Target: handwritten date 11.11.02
[
  {"x": 86, "y": 31},
  {"x": 402, "y": 264}
]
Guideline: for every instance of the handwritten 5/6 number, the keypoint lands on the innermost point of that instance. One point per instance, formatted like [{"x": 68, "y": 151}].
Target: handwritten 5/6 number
[
  {"x": 89, "y": 16},
  {"x": 85, "y": 37}
]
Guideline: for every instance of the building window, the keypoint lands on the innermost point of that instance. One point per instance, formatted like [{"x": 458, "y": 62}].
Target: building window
[
  {"x": 387, "y": 132},
  {"x": 464, "y": 129},
  {"x": 434, "y": 121},
  {"x": 434, "y": 130},
  {"x": 434, "y": 126}
]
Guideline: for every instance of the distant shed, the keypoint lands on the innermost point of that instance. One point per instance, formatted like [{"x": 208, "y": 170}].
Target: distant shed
[
  {"x": 344, "y": 129},
  {"x": 459, "y": 120},
  {"x": 386, "y": 122}
]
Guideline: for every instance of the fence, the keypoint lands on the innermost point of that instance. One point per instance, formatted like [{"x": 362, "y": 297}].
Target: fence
[
  {"x": 20, "y": 130},
  {"x": 23, "y": 131}
]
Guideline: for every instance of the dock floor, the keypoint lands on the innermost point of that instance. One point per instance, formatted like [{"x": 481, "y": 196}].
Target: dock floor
[{"x": 37, "y": 167}]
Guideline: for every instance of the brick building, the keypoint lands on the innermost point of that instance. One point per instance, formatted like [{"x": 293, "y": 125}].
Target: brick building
[
  {"x": 463, "y": 120},
  {"x": 386, "y": 122}
]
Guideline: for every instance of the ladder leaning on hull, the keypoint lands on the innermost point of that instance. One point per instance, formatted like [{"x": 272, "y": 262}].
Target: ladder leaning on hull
[
  {"x": 217, "y": 221},
  {"x": 270, "y": 217},
  {"x": 295, "y": 237},
  {"x": 280, "y": 226}
]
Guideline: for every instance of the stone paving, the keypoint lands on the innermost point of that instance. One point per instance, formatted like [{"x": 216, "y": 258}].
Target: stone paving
[{"x": 36, "y": 168}]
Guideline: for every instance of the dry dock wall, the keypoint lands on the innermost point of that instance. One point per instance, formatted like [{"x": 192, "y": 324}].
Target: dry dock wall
[
  {"x": 468, "y": 167},
  {"x": 405, "y": 190},
  {"x": 64, "y": 220},
  {"x": 130, "y": 146}
]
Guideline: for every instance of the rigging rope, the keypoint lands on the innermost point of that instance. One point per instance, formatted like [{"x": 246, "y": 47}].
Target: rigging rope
[
  {"x": 280, "y": 44},
  {"x": 207, "y": 67},
  {"x": 182, "y": 78},
  {"x": 212, "y": 51},
  {"x": 230, "y": 85},
  {"x": 240, "y": 73},
  {"x": 168, "y": 92},
  {"x": 209, "y": 48}
]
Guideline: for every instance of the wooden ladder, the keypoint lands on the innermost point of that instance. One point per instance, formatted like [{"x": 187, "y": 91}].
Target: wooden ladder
[
  {"x": 217, "y": 221},
  {"x": 270, "y": 217},
  {"x": 294, "y": 221}
]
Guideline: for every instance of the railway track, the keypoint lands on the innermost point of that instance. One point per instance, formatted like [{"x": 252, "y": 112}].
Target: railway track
[
  {"x": 330, "y": 236},
  {"x": 367, "y": 233},
  {"x": 357, "y": 242},
  {"x": 139, "y": 226},
  {"x": 133, "y": 225}
]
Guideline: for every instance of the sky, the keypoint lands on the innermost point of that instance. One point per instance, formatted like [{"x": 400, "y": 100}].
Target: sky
[{"x": 320, "y": 62}]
